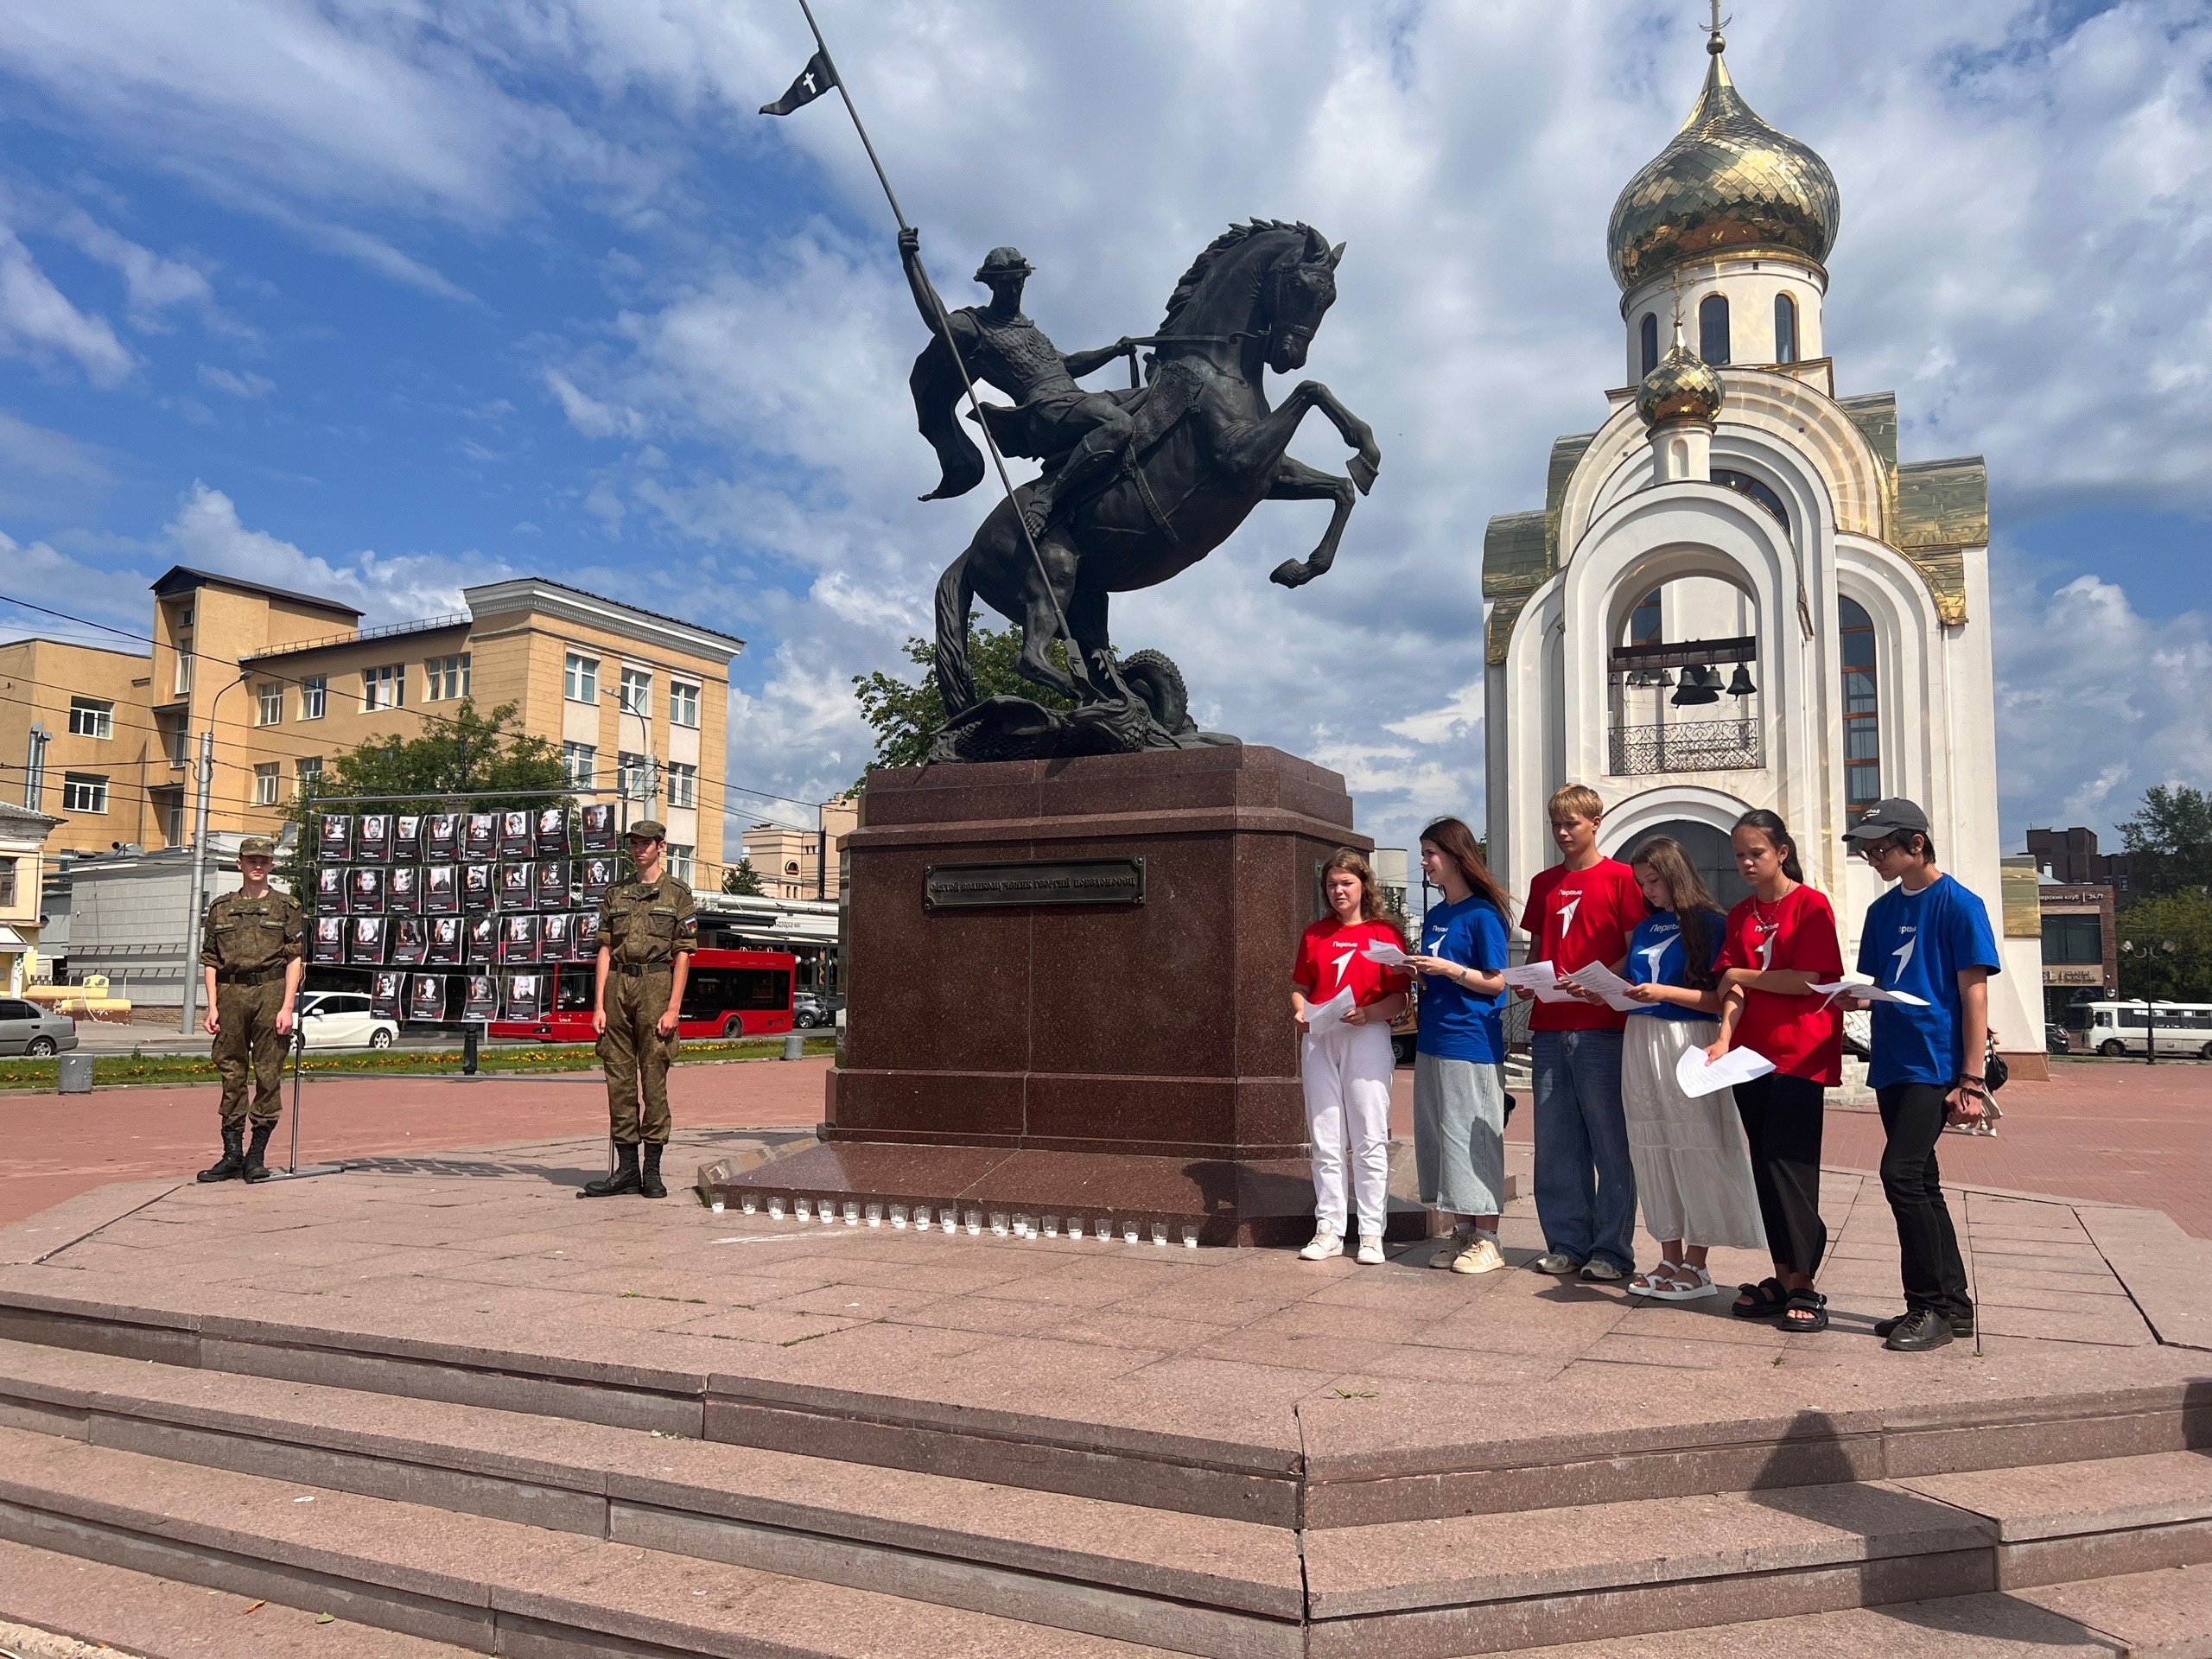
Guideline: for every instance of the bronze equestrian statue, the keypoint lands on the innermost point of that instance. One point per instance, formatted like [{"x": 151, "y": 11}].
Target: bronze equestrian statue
[{"x": 1137, "y": 485}]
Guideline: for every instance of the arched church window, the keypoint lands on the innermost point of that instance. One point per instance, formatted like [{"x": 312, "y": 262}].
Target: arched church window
[
  {"x": 1757, "y": 489},
  {"x": 1785, "y": 329},
  {"x": 1649, "y": 334},
  {"x": 1862, "y": 729},
  {"x": 1713, "y": 329},
  {"x": 1643, "y": 620}
]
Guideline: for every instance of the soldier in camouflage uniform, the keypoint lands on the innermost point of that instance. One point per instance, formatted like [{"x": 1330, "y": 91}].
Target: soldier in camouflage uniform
[
  {"x": 251, "y": 948},
  {"x": 648, "y": 929}
]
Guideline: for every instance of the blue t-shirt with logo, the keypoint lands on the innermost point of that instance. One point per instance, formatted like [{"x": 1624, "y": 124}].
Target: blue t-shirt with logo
[
  {"x": 1917, "y": 942},
  {"x": 1457, "y": 1023},
  {"x": 1655, "y": 956}
]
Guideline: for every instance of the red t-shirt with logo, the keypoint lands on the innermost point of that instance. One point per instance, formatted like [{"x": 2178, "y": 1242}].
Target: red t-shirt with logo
[
  {"x": 1576, "y": 918},
  {"x": 1802, "y": 1035},
  {"x": 1331, "y": 956}
]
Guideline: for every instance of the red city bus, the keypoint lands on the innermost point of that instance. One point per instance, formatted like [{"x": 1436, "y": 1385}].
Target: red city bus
[{"x": 729, "y": 993}]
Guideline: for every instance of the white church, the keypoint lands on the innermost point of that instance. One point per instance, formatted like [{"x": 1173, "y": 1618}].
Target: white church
[{"x": 1735, "y": 595}]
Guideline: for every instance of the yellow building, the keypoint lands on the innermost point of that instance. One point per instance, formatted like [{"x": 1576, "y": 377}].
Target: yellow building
[
  {"x": 22, "y": 837},
  {"x": 801, "y": 863},
  {"x": 288, "y": 683}
]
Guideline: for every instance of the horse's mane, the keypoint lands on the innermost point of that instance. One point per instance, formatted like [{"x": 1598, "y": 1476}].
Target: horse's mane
[{"x": 1202, "y": 266}]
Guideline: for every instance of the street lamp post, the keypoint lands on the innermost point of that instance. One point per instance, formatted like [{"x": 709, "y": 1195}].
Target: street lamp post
[
  {"x": 207, "y": 769},
  {"x": 2146, "y": 950},
  {"x": 644, "y": 750}
]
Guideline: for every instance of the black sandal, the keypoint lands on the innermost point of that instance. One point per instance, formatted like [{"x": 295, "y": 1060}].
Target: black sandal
[
  {"x": 1768, "y": 1299},
  {"x": 1806, "y": 1312}
]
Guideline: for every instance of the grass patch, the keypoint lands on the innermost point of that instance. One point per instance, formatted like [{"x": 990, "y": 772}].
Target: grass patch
[{"x": 22, "y": 1074}]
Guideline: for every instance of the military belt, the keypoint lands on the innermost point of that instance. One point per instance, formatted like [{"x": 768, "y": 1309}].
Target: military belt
[
  {"x": 249, "y": 976},
  {"x": 641, "y": 969}
]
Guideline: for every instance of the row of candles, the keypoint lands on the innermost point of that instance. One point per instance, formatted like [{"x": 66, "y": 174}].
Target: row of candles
[{"x": 951, "y": 1219}]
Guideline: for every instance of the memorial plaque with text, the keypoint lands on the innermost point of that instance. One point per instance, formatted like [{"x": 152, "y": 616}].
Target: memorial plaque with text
[{"x": 997, "y": 886}]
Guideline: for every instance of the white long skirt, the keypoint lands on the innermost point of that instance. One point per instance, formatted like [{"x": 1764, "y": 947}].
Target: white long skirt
[{"x": 1693, "y": 1168}]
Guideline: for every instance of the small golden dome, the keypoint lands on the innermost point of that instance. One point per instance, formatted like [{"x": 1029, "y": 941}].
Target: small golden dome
[
  {"x": 1727, "y": 182},
  {"x": 1681, "y": 387}
]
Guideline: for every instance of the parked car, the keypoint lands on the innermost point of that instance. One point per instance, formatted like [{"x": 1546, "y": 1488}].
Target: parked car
[
  {"x": 25, "y": 1028},
  {"x": 342, "y": 1020},
  {"x": 2054, "y": 1039},
  {"x": 811, "y": 1008}
]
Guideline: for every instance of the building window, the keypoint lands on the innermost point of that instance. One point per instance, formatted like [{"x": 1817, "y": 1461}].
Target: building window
[
  {"x": 638, "y": 692},
  {"x": 1647, "y": 335},
  {"x": 89, "y": 717},
  {"x": 580, "y": 762},
  {"x": 383, "y": 688},
  {"x": 682, "y": 861},
  {"x": 449, "y": 679},
  {"x": 1785, "y": 329},
  {"x": 682, "y": 784},
  {"x": 579, "y": 679},
  {"x": 176, "y": 741},
  {"x": 2074, "y": 940},
  {"x": 173, "y": 821},
  {"x": 308, "y": 772},
  {"x": 633, "y": 776},
  {"x": 184, "y": 666},
  {"x": 1862, "y": 726},
  {"x": 1643, "y": 620},
  {"x": 1713, "y": 329},
  {"x": 1758, "y": 490},
  {"x": 84, "y": 791},
  {"x": 683, "y": 704},
  {"x": 312, "y": 690},
  {"x": 264, "y": 783},
  {"x": 269, "y": 700},
  {"x": 7, "y": 881}
]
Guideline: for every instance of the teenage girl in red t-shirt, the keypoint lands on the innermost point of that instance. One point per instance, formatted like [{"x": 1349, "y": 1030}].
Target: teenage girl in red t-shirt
[
  {"x": 1781, "y": 941},
  {"x": 1347, "y": 1066}
]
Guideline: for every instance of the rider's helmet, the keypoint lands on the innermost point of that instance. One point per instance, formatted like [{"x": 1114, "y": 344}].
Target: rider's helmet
[{"x": 1003, "y": 262}]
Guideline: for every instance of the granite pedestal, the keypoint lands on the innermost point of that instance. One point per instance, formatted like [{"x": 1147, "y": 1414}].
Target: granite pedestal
[{"x": 1131, "y": 1060}]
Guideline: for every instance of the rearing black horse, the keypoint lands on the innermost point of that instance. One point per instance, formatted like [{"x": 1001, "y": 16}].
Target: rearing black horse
[{"x": 1205, "y": 449}]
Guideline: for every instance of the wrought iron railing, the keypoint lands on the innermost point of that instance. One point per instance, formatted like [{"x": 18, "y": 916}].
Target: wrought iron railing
[{"x": 1684, "y": 746}]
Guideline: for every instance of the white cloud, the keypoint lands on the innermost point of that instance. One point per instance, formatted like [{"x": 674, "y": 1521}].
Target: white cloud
[
  {"x": 238, "y": 383},
  {"x": 38, "y": 321}
]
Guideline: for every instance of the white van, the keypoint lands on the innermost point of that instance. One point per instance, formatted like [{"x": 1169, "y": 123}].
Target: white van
[{"x": 2183, "y": 1029}]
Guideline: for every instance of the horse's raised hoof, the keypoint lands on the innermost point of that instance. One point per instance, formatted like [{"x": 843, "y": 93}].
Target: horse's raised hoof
[
  {"x": 1291, "y": 573},
  {"x": 1362, "y": 472}
]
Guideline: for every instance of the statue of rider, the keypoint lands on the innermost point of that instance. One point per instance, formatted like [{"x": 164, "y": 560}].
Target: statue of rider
[{"x": 1003, "y": 348}]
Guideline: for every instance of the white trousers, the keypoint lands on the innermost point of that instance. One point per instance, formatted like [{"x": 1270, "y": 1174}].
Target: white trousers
[{"x": 1347, "y": 1075}]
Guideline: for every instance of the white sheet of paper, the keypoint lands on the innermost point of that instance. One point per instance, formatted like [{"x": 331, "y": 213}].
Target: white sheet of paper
[
  {"x": 1537, "y": 976},
  {"x": 1608, "y": 984},
  {"x": 1737, "y": 1065},
  {"x": 1382, "y": 951},
  {"x": 1324, "y": 1016},
  {"x": 1870, "y": 991}
]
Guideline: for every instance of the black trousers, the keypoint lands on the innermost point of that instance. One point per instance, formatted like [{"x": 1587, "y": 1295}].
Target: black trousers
[
  {"x": 1928, "y": 1248},
  {"x": 1783, "y": 1120}
]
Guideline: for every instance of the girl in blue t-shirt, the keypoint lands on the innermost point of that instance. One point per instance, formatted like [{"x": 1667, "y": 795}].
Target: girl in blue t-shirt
[
  {"x": 1693, "y": 1169},
  {"x": 1459, "y": 1098}
]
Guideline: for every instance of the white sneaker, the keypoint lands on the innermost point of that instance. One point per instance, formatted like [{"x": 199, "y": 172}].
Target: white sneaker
[
  {"x": 1481, "y": 1257},
  {"x": 1448, "y": 1248},
  {"x": 1371, "y": 1250},
  {"x": 1324, "y": 1246}
]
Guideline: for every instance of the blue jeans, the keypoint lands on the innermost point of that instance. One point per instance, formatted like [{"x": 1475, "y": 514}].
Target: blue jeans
[{"x": 1585, "y": 1186}]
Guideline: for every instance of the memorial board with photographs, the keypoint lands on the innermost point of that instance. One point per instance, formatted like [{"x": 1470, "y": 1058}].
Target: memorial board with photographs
[
  {"x": 518, "y": 887},
  {"x": 403, "y": 890},
  {"x": 583, "y": 937},
  {"x": 481, "y": 836},
  {"x": 480, "y": 998},
  {"x": 441, "y": 890},
  {"x": 441, "y": 837},
  {"x": 410, "y": 940},
  {"x": 365, "y": 890},
  {"x": 330, "y": 890},
  {"x": 483, "y": 938},
  {"x": 336, "y": 842},
  {"x": 555, "y": 931},
  {"x": 549, "y": 839},
  {"x": 514, "y": 835},
  {"x": 384, "y": 994},
  {"x": 517, "y": 938},
  {"x": 480, "y": 886},
  {"x": 446, "y": 941},
  {"x": 553, "y": 884},
  {"x": 426, "y": 996},
  {"x": 373, "y": 838},
  {"x": 326, "y": 944},
  {"x": 365, "y": 945},
  {"x": 597, "y": 828},
  {"x": 407, "y": 838},
  {"x": 524, "y": 1002},
  {"x": 599, "y": 875}
]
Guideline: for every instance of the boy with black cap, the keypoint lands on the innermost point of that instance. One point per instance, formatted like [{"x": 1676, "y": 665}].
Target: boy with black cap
[{"x": 1929, "y": 939}]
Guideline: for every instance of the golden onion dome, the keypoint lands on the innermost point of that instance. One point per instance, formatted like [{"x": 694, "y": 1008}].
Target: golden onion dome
[
  {"x": 1679, "y": 388},
  {"x": 1727, "y": 182}
]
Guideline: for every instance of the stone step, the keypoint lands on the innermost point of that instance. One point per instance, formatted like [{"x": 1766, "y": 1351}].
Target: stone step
[
  {"x": 487, "y": 1586},
  {"x": 112, "y": 1607},
  {"x": 1198, "y": 1583}
]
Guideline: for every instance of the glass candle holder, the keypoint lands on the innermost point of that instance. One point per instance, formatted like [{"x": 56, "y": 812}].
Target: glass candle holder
[
  {"x": 975, "y": 1223},
  {"x": 1129, "y": 1232},
  {"x": 776, "y": 1207},
  {"x": 1051, "y": 1226},
  {"x": 750, "y": 1202},
  {"x": 1160, "y": 1232},
  {"x": 1025, "y": 1226},
  {"x": 998, "y": 1223},
  {"x": 852, "y": 1212},
  {"x": 921, "y": 1218},
  {"x": 716, "y": 1206},
  {"x": 802, "y": 1210},
  {"x": 874, "y": 1214},
  {"x": 1190, "y": 1237},
  {"x": 948, "y": 1218},
  {"x": 899, "y": 1216}
]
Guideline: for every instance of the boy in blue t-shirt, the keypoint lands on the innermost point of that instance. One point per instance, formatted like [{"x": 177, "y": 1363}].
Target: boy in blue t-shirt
[{"x": 1928, "y": 938}]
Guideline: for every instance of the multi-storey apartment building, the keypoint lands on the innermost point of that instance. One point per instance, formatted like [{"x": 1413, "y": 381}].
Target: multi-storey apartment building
[
  {"x": 288, "y": 683},
  {"x": 802, "y": 863}
]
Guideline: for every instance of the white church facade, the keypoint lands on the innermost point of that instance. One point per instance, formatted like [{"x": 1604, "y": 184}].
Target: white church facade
[{"x": 1735, "y": 595}]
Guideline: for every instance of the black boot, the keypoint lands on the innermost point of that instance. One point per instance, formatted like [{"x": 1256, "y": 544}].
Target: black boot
[
  {"x": 232, "y": 1164},
  {"x": 255, "y": 1169},
  {"x": 624, "y": 1179},
  {"x": 648, "y": 1183}
]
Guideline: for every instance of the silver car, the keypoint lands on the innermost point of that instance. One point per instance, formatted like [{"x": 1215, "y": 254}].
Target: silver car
[{"x": 25, "y": 1028}]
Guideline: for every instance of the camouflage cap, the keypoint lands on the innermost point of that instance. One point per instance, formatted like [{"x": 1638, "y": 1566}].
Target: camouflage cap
[
  {"x": 646, "y": 829},
  {"x": 256, "y": 847}
]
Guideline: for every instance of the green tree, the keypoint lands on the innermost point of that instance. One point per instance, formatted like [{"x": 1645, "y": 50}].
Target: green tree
[
  {"x": 462, "y": 753},
  {"x": 905, "y": 717},
  {"x": 742, "y": 878},
  {"x": 2169, "y": 841},
  {"x": 2183, "y": 918}
]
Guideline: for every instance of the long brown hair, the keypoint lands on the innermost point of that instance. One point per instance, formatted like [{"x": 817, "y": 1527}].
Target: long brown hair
[
  {"x": 1692, "y": 901},
  {"x": 1457, "y": 842},
  {"x": 1370, "y": 898},
  {"x": 1770, "y": 825}
]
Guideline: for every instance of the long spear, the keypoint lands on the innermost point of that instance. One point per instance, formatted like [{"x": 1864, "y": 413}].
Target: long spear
[{"x": 817, "y": 78}]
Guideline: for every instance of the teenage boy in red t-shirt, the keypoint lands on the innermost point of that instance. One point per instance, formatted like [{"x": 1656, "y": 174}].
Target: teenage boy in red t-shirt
[{"x": 1582, "y": 911}]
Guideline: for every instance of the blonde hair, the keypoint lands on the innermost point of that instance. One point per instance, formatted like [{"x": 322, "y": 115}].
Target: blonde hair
[{"x": 1575, "y": 801}]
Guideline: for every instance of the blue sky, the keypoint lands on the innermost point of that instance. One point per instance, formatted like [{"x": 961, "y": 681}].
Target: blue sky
[{"x": 391, "y": 296}]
